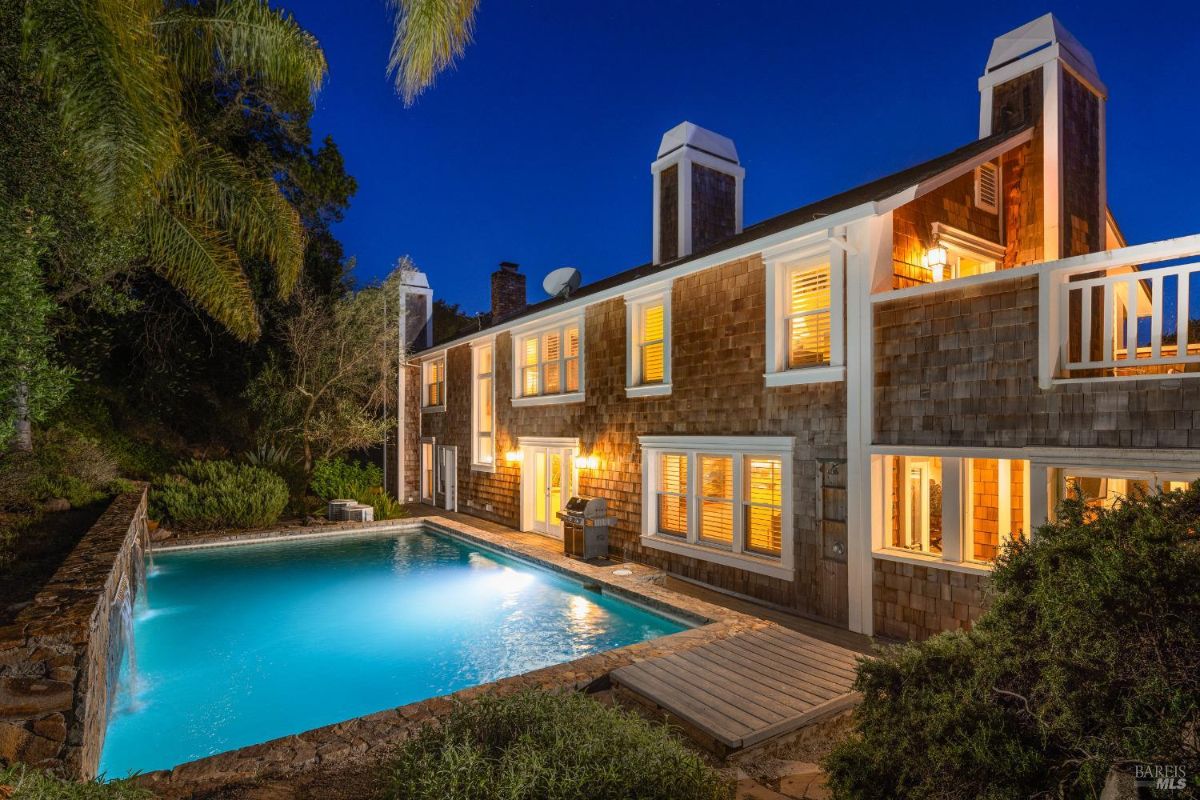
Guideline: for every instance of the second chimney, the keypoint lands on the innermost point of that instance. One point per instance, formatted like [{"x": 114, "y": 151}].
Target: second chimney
[
  {"x": 697, "y": 191},
  {"x": 508, "y": 292}
]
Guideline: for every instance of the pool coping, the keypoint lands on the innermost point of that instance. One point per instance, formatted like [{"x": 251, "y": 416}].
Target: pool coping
[{"x": 373, "y": 736}]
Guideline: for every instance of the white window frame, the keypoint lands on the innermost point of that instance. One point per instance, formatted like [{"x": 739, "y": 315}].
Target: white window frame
[
  {"x": 635, "y": 305},
  {"x": 780, "y": 263},
  {"x": 959, "y": 243},
  {"x": 558, "y": 324},
  {"x": 733, "y": 555},
  {"x": 425, "y": 488},
  {"x": 477, "y": 463},
  {"x": 426, "y": 367},
  {"x": 1155, "y": 477}
]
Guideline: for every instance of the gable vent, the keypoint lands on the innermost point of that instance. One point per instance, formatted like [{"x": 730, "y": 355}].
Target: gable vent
[{"x": 987, "y": 187}]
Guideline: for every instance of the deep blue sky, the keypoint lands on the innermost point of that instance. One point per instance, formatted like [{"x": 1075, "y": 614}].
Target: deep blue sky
[{"x": 537, "y": 148}]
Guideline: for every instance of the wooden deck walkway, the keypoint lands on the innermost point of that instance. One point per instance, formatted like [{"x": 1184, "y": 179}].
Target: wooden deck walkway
[{"x": 750, "y": 687}]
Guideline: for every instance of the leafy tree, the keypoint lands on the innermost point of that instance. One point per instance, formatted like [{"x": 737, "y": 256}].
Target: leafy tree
[
  {"x": 1088, "y": 660},
  {"x": 450, "y": 321},
  {"x": 115, "y": 71},
  {"x": 31, "y": 382},
  {"x": 338, "y": 372}
]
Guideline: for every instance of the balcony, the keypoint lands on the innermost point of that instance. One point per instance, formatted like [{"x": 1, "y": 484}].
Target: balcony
[{"x": 1132, "y": 313}]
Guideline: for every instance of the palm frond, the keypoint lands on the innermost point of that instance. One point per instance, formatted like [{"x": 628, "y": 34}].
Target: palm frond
[
  {"x": 430, "y": 36},
  {"x": 117, "y": 93},
  {"x": 241, "y": 37},
  {"x": 213, "y": 188},
  {"x": 201, "y": 263}
]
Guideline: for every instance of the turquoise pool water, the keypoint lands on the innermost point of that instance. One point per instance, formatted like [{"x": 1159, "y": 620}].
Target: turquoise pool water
[{"x": 238, "y": 645}]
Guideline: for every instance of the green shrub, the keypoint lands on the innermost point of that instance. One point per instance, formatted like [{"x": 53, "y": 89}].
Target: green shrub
[
  {"x": 335, "y": 479},
  {"x": 26, "y": 783},
  {"x": 549, "y": 746},
  {"x": 63, "y": 464},
  {"x": 219, "y": 494},
  {"x": 1088, "y": 659}
]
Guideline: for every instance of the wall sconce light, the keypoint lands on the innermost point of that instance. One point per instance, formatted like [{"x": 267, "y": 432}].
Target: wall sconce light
[
  {"x": 587, "y": 462},
  {"x": 514, "y": 456},
  {"x": 936, "y": 258}
]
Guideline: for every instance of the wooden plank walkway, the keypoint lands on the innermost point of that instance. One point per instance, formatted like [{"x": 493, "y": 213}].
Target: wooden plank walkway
[{"x": 747, "y": 688}]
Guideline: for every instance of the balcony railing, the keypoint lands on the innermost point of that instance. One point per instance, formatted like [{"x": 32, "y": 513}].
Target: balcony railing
[{"x": 1126, "y": 313}]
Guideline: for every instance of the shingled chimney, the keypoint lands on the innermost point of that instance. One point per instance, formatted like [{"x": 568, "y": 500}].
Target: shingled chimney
[
  {"x": 697, "y": 191},
  {"x": 508, "y": 292},
  {"x": 1039, "y": 73}
]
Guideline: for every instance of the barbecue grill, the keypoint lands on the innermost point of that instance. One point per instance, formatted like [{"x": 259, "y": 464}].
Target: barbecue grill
[{"x": 585, "y": 527}]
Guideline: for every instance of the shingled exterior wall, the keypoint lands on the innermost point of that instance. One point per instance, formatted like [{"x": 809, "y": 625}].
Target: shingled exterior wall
[
  {"x": 959, "y": 367},
  {"x": 718, "y": 360}
]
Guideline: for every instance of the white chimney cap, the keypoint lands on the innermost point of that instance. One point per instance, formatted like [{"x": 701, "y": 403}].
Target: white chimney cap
[
  {"x": 1042, "y": 32},
  {"x": 687, "y": 134}
]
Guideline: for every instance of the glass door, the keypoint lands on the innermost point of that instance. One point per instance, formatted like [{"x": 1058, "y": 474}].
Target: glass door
[{"x": 547, "y": 487}]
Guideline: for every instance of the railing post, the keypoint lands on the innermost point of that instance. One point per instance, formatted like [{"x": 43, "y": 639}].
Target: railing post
[{"x": 1049, "y": 327}]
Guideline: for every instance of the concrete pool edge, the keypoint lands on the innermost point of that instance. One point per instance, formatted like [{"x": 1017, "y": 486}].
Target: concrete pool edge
[{"x": 370, "y": 737}]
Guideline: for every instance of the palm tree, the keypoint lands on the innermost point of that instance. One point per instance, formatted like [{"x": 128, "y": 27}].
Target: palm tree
[
  {"x": 430, "y": 36},
  {"x": 116, "y": 70}
]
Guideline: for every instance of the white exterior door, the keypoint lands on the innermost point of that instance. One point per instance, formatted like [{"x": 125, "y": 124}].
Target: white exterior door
[
  {"x": 547, "y": 482},
  {"x": 448, "y": 477}
]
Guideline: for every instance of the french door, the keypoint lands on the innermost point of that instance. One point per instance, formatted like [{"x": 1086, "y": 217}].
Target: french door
[{"x": 547, "y": 481}]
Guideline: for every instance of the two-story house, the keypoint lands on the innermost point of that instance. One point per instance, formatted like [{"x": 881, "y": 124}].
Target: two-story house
[{"x": 844, "y": 410}]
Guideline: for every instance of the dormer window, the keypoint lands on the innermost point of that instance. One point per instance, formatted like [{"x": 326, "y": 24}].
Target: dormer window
[
  {"x": 805, "y": 315},
  {"x": 648, "y": 350}
]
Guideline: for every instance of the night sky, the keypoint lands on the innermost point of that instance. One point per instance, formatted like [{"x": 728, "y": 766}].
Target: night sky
[{"x": 537, "y": 149}]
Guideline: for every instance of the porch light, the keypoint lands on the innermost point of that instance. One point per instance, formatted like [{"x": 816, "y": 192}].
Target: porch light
[
  {"x": 936, "y": 259},
  {"x": 587, "y": 462},
  {"x": 513, "y": 456}
]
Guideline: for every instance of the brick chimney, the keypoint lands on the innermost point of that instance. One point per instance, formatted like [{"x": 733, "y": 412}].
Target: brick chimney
[
  {"x": 697, "y": 191},
  {"x": 508, "y": 291}
]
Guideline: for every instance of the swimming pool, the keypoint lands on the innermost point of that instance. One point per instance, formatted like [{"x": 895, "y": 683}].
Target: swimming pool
[{"x": 241, "y": 644}]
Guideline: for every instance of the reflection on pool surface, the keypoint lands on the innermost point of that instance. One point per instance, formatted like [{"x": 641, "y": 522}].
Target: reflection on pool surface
[{"x": 242, "y": 644}]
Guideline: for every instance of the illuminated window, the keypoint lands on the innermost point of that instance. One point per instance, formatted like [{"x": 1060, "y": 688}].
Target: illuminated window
[
  {"x": 427, "y": 470},
  {"x": 1103, "y": 491},
  {"x": 724, "y": 499},
  {"x": 716, "y": 499},
  {"x": 917, "y": 504},
  {"x": 549, "y": 362},
  {"x": 483, "y": 420},
  {"x": 648, "y": 358},
  {"x": 672, "y": 494},
  {"x": 763, "y": 500},
  {"x": 435, "y": 382},
  {"x": 808, "y": 317},
  {"x": 996, "y": 504}
]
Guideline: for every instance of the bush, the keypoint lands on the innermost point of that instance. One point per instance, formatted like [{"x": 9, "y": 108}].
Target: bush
[
  {"x": 25, "y": 783},
  {"x": 335, "y": 479},
  {"x": 549, "y": 746},
  {"x": 1088, "y": 659},
  {"x": 64, "y": 464},
  {"x": 219, "y": 494}
]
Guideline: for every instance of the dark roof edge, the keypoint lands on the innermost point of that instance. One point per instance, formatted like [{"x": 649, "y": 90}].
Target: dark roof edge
[{"x": 873, "y": 191}]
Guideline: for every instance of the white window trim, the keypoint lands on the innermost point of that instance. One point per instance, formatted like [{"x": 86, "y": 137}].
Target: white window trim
[
  {"x": 426, "y": 364},
  {"x": 779, "y": 262},
  {"x": 519, "y": 335},
  {"x": 781, "y": 447},
  {"x": 635, "y": 303},
  {"x": 425, "y": 488},
  {"x": 476, "y": 464}
]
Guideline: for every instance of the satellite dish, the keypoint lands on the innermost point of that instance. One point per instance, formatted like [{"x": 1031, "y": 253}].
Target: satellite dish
[{"x": 562, "y": 281}]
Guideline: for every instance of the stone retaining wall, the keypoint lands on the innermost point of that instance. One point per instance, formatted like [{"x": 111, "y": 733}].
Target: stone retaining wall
[{"x": 59, "y": 657}]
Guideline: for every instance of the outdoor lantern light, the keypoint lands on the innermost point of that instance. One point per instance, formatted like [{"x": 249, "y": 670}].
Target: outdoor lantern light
[
  {"x": 587, "y": 462},
  {"x": 513, "y": 456},
  {"x": 936, "y": 259}
]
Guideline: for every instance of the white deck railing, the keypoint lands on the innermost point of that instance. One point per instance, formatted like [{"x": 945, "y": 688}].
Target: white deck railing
[{"x": 1115, "y": 314}]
